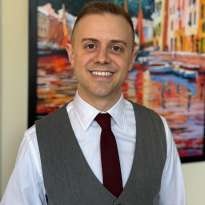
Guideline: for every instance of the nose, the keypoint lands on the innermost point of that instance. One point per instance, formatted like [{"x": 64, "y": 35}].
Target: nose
[{"x": 102, "y": 56}]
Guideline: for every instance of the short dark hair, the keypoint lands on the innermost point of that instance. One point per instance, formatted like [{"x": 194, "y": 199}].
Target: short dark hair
[{"x": 96, "y": 7}]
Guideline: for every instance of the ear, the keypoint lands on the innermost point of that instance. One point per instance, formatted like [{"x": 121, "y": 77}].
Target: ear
[
  {"x": 69, "y": 50},
  {"x": 133, "y": 55}
]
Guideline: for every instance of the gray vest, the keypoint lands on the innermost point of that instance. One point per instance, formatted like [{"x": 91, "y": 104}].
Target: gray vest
[{"x": 68, "y": 178}]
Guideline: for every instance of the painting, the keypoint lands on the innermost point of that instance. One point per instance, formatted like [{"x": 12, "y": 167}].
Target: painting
[{"x": 168, "y": 74}]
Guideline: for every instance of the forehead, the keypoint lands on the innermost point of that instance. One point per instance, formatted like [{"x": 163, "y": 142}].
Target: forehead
[{"x": 103, "y": 26}]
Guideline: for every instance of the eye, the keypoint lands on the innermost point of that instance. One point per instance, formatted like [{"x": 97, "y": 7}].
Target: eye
[
  {"x": 117, "y": 48},
  {"x": 90, "y": 46}
]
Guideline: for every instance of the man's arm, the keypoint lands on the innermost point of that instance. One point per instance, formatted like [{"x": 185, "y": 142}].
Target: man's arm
[
  {"x": 25, "y": 186},
  {"x": 172, "y": 186}
]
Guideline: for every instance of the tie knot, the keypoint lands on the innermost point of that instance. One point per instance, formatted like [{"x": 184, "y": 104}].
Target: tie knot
[{"x": 104, "y": 120}]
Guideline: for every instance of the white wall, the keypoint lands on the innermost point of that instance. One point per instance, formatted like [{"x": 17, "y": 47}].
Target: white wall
[
  {"x": 13, "y": 79},
  {"x": 194, "y": 175},
  {"x": 13, "y": 98}
]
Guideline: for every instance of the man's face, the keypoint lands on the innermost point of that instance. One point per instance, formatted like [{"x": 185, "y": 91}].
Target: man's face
[{"x": 101, "y": 54}]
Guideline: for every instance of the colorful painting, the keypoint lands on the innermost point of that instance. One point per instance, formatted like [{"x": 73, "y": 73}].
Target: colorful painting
[{"x": 168, "y": 75}]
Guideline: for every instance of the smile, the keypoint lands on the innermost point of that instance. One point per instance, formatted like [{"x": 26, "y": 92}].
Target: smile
[{"x": 102, "y": 73}]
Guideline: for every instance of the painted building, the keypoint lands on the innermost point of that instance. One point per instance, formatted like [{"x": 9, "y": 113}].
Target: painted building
[
  {"x": 160, "y": 19},
  {"x": 177, "y": 25},
  {"x": 195, "y": 29},
  {"x": 171, "y": 26},
  {"x": 180, "y": 25},
  {"x": 53, "y": 29},
  {"x": 148, "y": 31},
  {"x": 201, "y": 27},
  {"x": 165, "y": 20},
  {"x": 192, "y": 19},
  {"x": 157, "y": 23},
  {"x": 185, "y": 26},
  {"x": 143, "y": 28},
  {"x": 43, "y": 25}
]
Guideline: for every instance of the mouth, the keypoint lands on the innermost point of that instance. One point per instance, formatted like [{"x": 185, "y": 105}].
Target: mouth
[{"x": 102, "y": 73}]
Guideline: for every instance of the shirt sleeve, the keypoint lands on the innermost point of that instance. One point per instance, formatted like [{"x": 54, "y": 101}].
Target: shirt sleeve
[
  {"x": 25, "y": 186},
  {"x": 172, "y": 184}
]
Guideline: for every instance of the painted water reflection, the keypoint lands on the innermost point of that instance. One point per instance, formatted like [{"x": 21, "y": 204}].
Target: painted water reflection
[{"x": 179, "y": 100}]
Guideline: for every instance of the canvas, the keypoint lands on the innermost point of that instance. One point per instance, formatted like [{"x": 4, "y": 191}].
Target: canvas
[{"x": 168, "y": 74}]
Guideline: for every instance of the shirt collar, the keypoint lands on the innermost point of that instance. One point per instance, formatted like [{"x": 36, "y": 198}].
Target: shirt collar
[
  {"x": 117, "y": 111},
  {"x": 86, "y": 113}
]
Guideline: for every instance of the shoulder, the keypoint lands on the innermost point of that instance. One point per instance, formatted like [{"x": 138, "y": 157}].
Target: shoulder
[
  {"x": 28, "y": 152},
  {"x": 141, "y": 110},
  {"x": 52, "y": 117},
  {"x": 29, "y": 136},
  {"x": 148, "y": 118},
  {"x": 29, "y": 144}
]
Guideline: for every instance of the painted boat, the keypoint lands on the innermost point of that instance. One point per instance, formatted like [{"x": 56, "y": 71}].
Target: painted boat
[
  {"x": 159, "y": 67},
  {"x": 185, "y": 73}
]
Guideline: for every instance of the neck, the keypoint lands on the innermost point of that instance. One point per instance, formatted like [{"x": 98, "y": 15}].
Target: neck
[{"x": 101, "y": 103}]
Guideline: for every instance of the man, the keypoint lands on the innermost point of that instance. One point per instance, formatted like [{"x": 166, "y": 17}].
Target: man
[{"x": 73, "y": 156}]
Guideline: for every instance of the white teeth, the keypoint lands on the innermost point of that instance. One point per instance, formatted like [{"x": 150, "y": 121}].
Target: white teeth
[{"x": 102, "y": 73}]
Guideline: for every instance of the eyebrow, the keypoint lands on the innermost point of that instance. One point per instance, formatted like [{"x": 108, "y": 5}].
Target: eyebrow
[
  {"x": 89, "y": 39},
  {"x": 112, "y": 41}
]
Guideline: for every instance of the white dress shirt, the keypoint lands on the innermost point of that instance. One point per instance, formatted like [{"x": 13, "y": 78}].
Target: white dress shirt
[{"x": 26, "y": 186}]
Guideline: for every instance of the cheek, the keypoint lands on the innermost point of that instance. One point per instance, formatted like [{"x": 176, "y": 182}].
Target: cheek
[
  {"x": 81, "y": 60},
  {"x": 80, "y": 65},
  {"x": 123, "y": 64}
]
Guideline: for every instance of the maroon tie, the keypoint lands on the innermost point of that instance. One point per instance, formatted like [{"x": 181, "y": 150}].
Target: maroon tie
[{"x": 112, "y": 178}]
